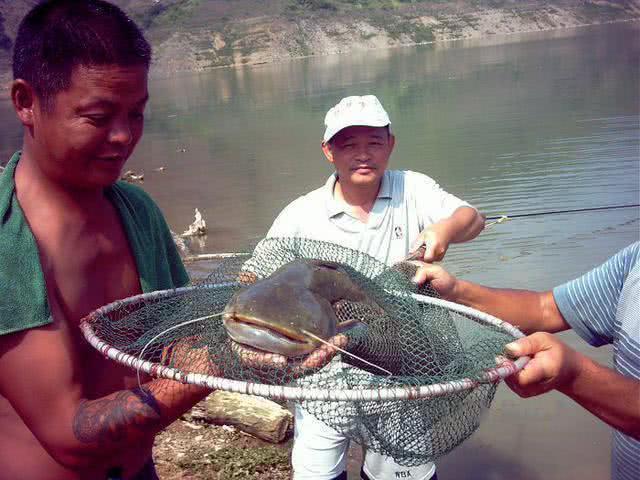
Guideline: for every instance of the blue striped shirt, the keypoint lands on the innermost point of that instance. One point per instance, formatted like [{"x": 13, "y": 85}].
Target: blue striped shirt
[{"x": 603, "y": 307}]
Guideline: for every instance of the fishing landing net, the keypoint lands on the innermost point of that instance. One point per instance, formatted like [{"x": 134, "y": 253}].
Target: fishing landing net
[{"x": 415, "y": 378}]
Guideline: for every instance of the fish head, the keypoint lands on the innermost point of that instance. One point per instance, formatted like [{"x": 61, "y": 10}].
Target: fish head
[{"x": 288, "y": 311}]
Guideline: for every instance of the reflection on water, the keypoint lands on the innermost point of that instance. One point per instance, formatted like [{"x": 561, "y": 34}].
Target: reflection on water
[{"x": 548, "y": 122}]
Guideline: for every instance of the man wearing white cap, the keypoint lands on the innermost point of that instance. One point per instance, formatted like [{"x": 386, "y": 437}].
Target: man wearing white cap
[{"x": 384, "y": 213}]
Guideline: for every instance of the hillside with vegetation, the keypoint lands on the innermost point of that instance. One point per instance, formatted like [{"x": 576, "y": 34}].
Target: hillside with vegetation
[{"x": 196, "y": 35}]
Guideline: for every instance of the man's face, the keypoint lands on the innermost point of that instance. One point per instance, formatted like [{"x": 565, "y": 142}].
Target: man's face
[
  {"x": 84, "y": 139},
  {"x": 360, "y": 154}
]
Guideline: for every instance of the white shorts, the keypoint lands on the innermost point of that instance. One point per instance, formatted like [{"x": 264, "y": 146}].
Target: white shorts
[{"x": 320, "y": 453}]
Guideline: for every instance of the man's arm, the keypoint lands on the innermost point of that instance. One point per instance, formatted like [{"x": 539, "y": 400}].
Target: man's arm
[
  {"x": 41, "y": 377},
  {"x": 464, "y": 224},
  {"x": 612, "y": 397},
  {"x": 527, "y": 310}
]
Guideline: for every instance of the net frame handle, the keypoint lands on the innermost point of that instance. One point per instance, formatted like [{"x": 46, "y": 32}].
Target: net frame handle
[{"x": 278, "y": 392}]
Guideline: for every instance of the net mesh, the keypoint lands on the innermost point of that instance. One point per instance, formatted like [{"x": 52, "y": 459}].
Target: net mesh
[{"x": 417, "y": 343}]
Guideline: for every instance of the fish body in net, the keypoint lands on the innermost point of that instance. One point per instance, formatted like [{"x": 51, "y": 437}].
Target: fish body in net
[{"x": 277, "y": 313}]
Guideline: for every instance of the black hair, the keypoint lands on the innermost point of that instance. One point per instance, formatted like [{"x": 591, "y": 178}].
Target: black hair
[{"x": 57, "y": 36}]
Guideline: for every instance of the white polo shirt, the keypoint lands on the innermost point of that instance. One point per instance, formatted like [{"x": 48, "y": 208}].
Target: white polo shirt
[{"x": 407, "y": 203}]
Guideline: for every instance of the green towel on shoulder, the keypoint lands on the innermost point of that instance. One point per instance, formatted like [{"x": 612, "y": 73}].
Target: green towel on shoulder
[{"x": 23, "y": 296}]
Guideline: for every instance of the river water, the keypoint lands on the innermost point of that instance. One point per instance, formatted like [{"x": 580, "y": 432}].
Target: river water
[{"x": 518, "y": 124}]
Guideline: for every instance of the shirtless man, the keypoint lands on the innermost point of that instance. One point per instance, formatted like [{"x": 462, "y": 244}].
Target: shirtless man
[{"x": 72, "y": 240}]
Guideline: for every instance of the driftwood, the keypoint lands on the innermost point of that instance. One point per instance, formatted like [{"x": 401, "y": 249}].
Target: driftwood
[
  {"x": 257, "y": 416},
  {"x": 197, "y": 228},
  {"x": 132, "y": 177},
  {"x": 210, "y": 256}
]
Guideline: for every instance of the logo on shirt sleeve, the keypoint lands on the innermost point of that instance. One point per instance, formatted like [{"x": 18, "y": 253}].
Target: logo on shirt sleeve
[{"x": 398, "y": 232}]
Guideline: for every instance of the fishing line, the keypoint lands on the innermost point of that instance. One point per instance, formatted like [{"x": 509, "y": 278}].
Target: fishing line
[
  {"x": 188, "y": 322},
  {"x": 502, "y": 218},
  {"x": 345, "y": 352},
  {"x": 496, "y": 219}
]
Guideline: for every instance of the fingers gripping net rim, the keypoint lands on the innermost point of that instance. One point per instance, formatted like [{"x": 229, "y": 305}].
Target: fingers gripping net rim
[{"x": 442, "y": 355}]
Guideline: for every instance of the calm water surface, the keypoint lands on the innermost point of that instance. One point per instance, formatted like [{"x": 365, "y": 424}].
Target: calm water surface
[{"x": 545, "y": 122}]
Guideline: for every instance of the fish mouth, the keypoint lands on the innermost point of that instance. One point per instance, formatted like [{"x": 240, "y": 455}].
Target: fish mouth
[
  {"x": 285, "y": 333},
  {"x": 265, "y": 336}
]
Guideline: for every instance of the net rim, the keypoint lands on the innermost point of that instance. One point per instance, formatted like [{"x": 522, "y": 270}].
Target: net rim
[{"x": 278, "y": 392}]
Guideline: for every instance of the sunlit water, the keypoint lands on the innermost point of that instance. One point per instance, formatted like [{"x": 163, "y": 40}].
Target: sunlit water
[{"x": 544, "y": 122}]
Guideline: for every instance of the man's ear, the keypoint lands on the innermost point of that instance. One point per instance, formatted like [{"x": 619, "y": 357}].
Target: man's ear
[
  {"x": 326, "y": 149},
  {"x": 24, "y": 99},
  {"x": 392, "y": 142}
]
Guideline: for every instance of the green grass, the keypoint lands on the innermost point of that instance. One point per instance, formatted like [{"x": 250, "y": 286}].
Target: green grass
[
  {"x": 333, "y": 33},
  {"x": 147, "y": 18},
  {"x": 600, "y": 12},
  {"x": 470, "y": 20},
  {"x": 251, "y": 42},
  {"x": 351, "y": 5},
  {"x": 313, "y": 5},
  {"x": 490, "y": 3},
  {"x": 545, "y": 19},
  {"x": 302, "y": 47},
  {"x": 233, "y": 463},
  {"x": 167, "y": 14},
  {"x": 423, "y": 34},
  {"x": 453, "y": 26},
  {"x": 224, "y": 55},
  {"x": 397, "y": 27}
]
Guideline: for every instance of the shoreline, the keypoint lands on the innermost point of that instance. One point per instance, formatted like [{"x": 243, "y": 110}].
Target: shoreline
[
  {"x": 160, "y": 74},
  {"x": 275, "y": 38},
  {"x": 160, "y": 70}
]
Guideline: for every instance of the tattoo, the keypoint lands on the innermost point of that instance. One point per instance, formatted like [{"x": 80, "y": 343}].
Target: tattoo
[{"x": 109, "y": 420}]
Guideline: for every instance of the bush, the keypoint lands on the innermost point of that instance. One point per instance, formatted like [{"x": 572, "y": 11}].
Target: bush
[{"x": 327, "y": 5}]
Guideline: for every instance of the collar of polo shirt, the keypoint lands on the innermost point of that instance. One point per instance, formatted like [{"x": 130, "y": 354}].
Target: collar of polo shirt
[{"x": 336, "y": 207}]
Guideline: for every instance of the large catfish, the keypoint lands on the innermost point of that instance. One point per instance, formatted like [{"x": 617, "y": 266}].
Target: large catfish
[{"x": 277, "y": 314}]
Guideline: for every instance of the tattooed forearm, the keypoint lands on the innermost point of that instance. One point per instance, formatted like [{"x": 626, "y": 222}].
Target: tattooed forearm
[{"x": 112, "y": 419}]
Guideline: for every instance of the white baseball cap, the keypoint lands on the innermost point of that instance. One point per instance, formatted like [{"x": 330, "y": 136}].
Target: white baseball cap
[{"x": 366, "y": 111}]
